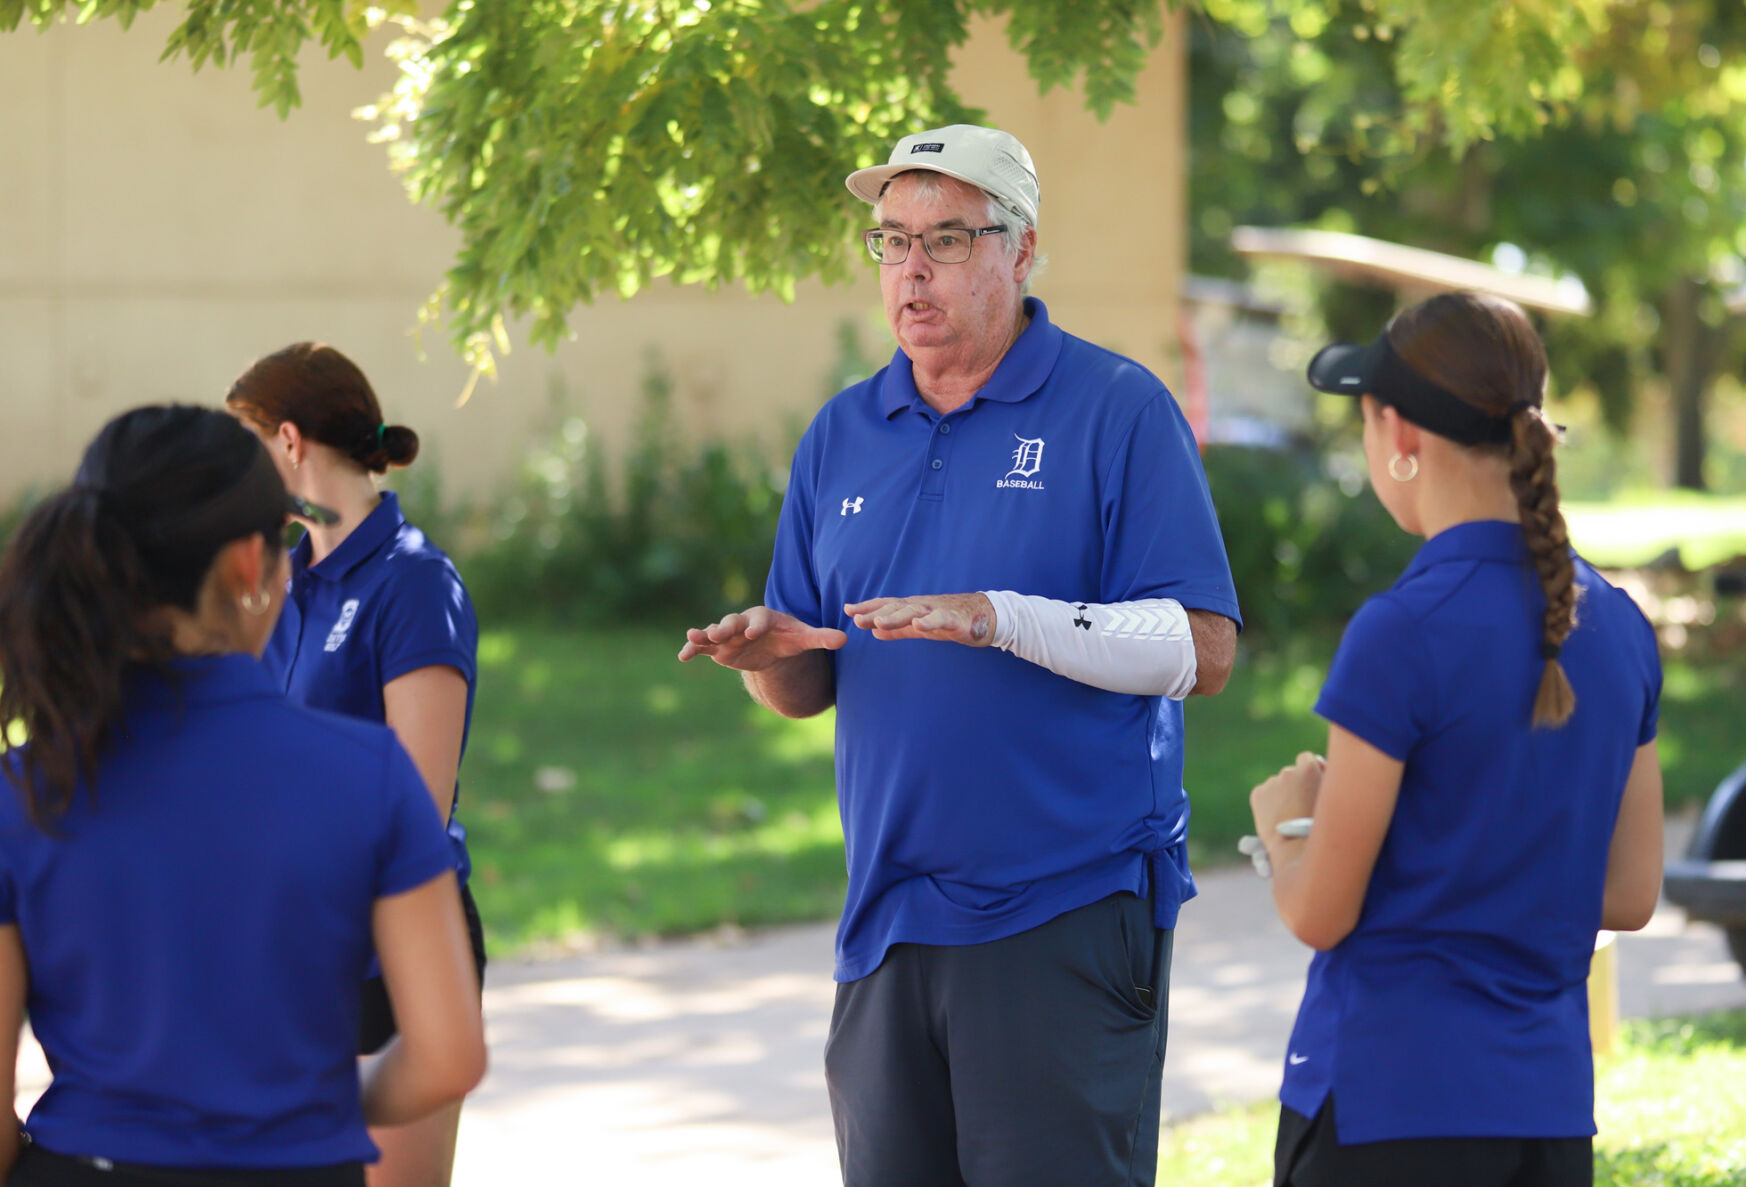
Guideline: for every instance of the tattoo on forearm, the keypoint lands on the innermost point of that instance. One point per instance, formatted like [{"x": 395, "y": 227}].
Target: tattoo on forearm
[{"x": 979, "y": 627}]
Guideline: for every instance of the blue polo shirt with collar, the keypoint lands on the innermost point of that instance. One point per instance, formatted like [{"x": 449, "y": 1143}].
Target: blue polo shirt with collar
[
  {"x": 1458, "y": 1005},
  {"x": 384, "y": 603},
  {"x": 982, "y": 795},
  {"x": 198, "y": 930}
]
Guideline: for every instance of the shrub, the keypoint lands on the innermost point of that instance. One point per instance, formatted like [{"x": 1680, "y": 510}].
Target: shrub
[
  {"x": 674, "y": 532},
  {"x": 1307, "y": 541}
]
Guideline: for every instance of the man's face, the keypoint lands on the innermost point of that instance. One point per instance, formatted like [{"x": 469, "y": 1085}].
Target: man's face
[{"x": 949, "y": 312}]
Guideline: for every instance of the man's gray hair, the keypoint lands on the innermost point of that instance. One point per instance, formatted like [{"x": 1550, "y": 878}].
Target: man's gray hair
[{"x": 931, "y": 185}]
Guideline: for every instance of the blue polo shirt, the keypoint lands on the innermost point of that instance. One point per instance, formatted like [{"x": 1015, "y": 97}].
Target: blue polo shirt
[
  {"x": 197, "y": 933},
  {"x": 384, "y": 603},
  {"x": 981, "y": 794},
  {"x": 1458, "y": 1005}
]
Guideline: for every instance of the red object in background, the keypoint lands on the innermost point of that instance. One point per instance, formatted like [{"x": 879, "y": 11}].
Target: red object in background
[{"x": 1194, "y": 394}]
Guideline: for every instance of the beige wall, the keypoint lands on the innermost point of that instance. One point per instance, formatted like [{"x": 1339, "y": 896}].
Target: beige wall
[{"x": 158, "y": 231}]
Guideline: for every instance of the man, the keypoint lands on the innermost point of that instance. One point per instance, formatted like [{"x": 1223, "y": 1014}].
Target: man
[{"x": 1009, "y": 764}]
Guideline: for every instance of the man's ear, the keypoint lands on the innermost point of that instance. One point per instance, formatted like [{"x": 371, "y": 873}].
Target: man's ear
[{"x": 1027, "y": 256}]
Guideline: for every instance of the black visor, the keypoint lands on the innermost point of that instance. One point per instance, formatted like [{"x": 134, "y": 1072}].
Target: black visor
[{"x": 1346, "y": 369}]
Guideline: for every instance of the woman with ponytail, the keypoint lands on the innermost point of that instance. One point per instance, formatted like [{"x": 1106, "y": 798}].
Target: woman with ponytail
[
  {"x": 193, "y": 871},
  {"x": 1490, "y": 799},
  {"x": 377, "y": 625}
]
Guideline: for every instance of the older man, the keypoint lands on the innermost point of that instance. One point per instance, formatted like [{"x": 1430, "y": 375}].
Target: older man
[{"x": 1009, "y": 756}]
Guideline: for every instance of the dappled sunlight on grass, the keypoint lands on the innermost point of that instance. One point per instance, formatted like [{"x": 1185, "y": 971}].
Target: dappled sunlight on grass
[
  {"x": 1699, "y": 739},
  {"x": 1671, "y": 1109},
  {"x": 797, "y": 739},
  {"x": 609, "y": 789},
  {"x": 1634, "y": 530},
  {"x": 791, "y": 834},
  {"x": 1233, "y": 1147}
]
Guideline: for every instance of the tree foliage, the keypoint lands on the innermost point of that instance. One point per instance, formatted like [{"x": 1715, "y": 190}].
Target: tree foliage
[
  {"x": 1637, "y": 185},
  {"x": 587, "y": 147}
]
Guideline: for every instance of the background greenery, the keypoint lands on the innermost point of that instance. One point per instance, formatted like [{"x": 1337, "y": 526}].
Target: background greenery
[
  {"x": 1669, "y": 1105},
  {"x": 610, "y": 790}
]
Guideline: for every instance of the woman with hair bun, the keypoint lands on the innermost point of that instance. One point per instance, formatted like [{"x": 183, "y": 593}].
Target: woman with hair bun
[
  {"x": 1490, "y": 799},
  {"x": 194, "y": 872},
  {"x": 377, "y": 625}
]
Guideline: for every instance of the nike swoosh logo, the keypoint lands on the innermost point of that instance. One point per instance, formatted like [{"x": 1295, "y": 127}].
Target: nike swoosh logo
[{"x": 1294, "y": 1059}]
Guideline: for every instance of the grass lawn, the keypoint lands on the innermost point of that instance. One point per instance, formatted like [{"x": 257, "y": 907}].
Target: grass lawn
[
  {"x": 1633, "y": 530},
  {"x": 1671, "y": 1108},
  {"x": 609, "y": 789}
]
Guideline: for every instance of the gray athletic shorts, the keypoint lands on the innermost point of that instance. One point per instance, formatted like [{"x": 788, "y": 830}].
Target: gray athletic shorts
[{"x": 1033, "y": 1061}]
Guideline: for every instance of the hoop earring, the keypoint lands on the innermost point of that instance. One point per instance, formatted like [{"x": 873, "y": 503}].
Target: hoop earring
[
  {"x": 256, "y": 601},
  {"x": 1412, "y": 468}
]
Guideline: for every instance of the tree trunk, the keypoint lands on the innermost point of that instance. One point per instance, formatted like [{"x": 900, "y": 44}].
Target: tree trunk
[{"x": 1692, "y": 348}]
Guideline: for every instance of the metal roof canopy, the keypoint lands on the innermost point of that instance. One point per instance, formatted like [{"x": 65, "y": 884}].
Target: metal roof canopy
[{"x": 1408, "y": 269}]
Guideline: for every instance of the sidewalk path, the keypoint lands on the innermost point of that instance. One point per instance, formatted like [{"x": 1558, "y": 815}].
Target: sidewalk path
[{"x": 700, "y": 1061}]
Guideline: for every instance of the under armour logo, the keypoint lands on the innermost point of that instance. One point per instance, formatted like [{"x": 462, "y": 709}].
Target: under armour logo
[
  {"x": 853, "y": 504},
  {"x": 1080, "y": 620}
]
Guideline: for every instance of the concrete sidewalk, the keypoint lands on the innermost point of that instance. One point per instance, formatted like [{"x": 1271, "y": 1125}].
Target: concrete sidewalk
[{"x": 701, "y": 1061}]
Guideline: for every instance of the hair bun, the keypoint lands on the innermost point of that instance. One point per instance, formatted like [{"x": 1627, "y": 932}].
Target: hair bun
[{"x": 399, "y": 445}]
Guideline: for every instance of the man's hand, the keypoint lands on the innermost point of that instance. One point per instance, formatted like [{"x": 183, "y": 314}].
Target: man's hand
[
  {"x": 755, "y": 639},
  {"x": 1288, "y": 795},
  {"x": 966, "y": 618}
]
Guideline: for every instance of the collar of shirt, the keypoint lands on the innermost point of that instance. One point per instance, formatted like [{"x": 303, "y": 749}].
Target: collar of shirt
[
  {"x": 1480, "y": 540},
  {"x": 203, "y": 680},
  {"x": 379, "y": 527},
  {"x": 1022, "y": 371}
]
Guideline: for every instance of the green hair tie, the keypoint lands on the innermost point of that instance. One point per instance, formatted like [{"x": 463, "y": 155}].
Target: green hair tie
[{"x": 381, "y": 431}]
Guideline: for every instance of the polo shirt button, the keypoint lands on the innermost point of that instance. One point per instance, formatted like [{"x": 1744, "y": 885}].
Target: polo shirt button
[
  {"x": 938, "y": 463},
  {"x": 945, "y": 428}
]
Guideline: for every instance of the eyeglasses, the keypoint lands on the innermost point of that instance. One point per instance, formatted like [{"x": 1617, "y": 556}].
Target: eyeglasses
[{"x": 949, "y": 245}]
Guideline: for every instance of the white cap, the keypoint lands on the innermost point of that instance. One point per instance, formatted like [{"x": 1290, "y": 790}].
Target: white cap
[{"x": 987, "y": 158}]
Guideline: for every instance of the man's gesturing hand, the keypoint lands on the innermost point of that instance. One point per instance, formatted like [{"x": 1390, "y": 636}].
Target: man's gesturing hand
[
  {"x": 754, "y": 639},
  {"x": 966, "y": 618}
]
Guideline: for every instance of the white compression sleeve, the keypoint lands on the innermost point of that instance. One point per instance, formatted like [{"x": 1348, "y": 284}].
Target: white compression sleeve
[{"x": 1143, "y": 647}]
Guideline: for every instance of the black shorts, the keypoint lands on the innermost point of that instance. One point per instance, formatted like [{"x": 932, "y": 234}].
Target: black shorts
[
  {"x": 1036, "y": 1059},
  {"x": 376, "y": 1025},
  {"x": 37, "y": 1167},
  {"x": 1309, "y": 1154}
]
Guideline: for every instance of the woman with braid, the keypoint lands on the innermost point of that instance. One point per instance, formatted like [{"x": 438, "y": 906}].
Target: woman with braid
[{"x": 1491, "y": 795}]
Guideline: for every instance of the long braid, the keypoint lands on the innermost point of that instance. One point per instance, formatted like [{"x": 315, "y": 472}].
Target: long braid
[
  {"x": 1534, "y": 479},
  {"x": 1483, "y": 350}
]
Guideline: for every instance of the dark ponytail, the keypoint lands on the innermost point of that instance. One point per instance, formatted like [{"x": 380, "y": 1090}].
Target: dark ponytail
[
  {"x": 326, "y": 396},
  {"x": 159, "y": 492},
  {"x": 1485, "y": 351}
]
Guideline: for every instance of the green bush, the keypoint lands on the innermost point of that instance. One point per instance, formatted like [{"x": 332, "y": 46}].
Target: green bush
[
  {"x": 673, "y": 532},
  {"x": 1306, "y": 540}
]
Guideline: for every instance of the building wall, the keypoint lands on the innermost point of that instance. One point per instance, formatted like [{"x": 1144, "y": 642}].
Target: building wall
[{"x": 158, "y": 231}]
